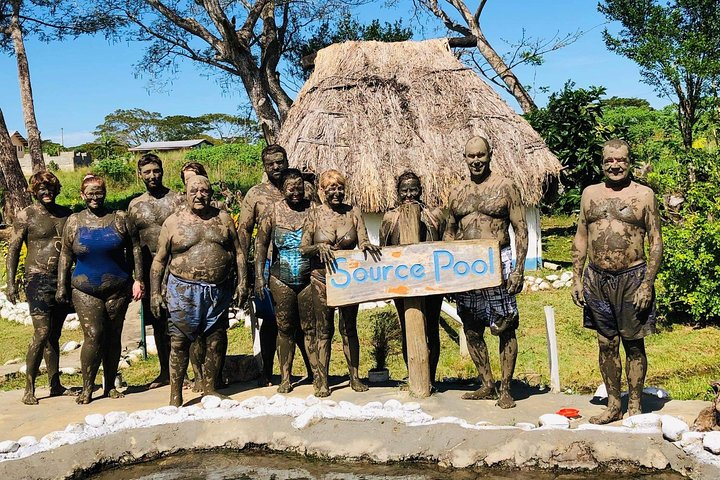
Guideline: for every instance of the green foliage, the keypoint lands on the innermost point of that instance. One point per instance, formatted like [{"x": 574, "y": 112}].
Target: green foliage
[
  {"x": 573, "y": 127},
  {"x": 51, "y": 148},
  {"x": 386, "y": 337},
  {"x": 238, "y": 165},
  {"x": 653, "y": 134},
  {"x": 53, "y": 166},
  {"x": 115, "y": 170},
  {"x": 676, "y": 44}
]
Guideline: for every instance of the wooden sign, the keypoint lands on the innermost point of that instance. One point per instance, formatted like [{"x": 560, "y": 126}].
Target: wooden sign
[{"x": 415, "y": 270}]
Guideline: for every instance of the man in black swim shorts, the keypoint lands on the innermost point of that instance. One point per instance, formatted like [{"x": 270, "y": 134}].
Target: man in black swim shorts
[{"x": 616, "y": 288}]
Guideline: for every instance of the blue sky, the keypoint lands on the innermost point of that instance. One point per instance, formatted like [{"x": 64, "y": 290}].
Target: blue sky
[{"x": 76, "y": 83}]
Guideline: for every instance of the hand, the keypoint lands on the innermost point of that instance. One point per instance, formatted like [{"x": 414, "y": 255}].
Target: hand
[
  {"x": 515, "y": 282},
  {"x": 642, "y": 297},
  {"x": 374, "y": 251},
  {"x": 61, "y": 296},
  {"x": 138, "y": 290},
  {"x": 260, "y": 286},
  {"x": 241, "y": 293},
  {"x": 11, "y": 294},
  {"x": 157, "y": 305},
  {"x": 577, "y": 293},
  {"x": 325, "y": 252}
]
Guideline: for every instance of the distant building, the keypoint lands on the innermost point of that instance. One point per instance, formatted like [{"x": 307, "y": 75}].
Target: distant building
[
  {"x": 19, "y": 143},
  {"x": 170, "y": 146},
  {"x": 65, "y": 161}
]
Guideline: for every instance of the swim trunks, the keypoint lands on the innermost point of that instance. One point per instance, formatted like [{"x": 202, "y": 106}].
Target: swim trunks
[
  {"x": 40, "y": 291},
  {"x": 493, "y": 306},
  {"x": 609, "y": 305},
  {"x": 196, "y": 308}
]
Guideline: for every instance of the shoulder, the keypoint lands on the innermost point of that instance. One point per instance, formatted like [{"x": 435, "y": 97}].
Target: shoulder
[
  {"x": 25, "y": 213},
  {"x": 642, "y": 190},
  {"x": 354, "y": 210},
  {"x": 136, "y": 200},
  {"x": 390, "y": 215}
]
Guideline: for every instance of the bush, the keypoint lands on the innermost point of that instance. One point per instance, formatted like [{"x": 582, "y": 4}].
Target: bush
[
  {"x": 114, "y": 170},
  {"x": 386, "y": 337},
  {"x": 238, "y": 165}
]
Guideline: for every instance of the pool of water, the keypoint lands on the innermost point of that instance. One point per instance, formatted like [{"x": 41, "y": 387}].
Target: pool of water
[{"x": 232, "y": 465}]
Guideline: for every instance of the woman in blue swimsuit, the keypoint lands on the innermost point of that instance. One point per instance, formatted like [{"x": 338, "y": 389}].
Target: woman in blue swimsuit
[
  {"x": 289, "y": 280},
  {"x": 105, "y": 251}
]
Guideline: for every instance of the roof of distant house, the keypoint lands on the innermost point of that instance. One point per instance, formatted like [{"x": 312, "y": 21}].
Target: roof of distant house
[
  {"x": 170, "y": 145},
  {"x": 17, "y": 135}
]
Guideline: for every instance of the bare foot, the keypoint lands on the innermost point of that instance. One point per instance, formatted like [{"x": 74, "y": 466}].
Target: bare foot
[
  {"x": 482, "y": 393},
  {"x": 114, "y": 393},
  {"x": 608, "y": 416},
  {"x": 357, "y": 385},
  {"x": 160, "y": 381},
  {"x": 197, "y": 385},
  {"x": 321, "y": 390},
  {"x": 285, "y": 387},
  {"x": 29, "y": 399},
  {"x": 84, "y": 398},
  {"x": 634, "y": 409},
  {"x": 505, "y": 401}
]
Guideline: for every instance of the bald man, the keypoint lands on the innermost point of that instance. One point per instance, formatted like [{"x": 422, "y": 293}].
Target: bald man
[{"x": 484, "y": 207}]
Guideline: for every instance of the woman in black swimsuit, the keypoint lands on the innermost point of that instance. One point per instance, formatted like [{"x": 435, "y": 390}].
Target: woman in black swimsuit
[{"x": 334, "y": 225}]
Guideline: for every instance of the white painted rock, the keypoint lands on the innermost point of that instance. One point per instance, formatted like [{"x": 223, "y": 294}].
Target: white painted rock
[
  {"x": 68, "y": 370},
  {"x": 554, "y": 420},
  {"x": 8, "y": 446},
  {"x": 210, "y": 401},
  {"x": 644, "y": 420},
  {"x": 70, "y": 346},
  {"x": 711, "y": 442},
  {"x": 229, "y": 403},
  {"x": 167, "y": 410},
  {"x": 373, "y": 405},
  {"x": 14, "y": 361},
  {"x": 558, "y": 284},
  {"x": 123, "y": 364},
  {"x": 530, "y": 279},
  {"x": 411, "y": 406},
  {"x": 138, "y": 352},
  {"x": 95, "y": 420},
  {"x": 691, "y": 437},
  {"x": 74, "y": 428},
  {"x": 534, "y": 288},
  {"x": 233, "y": 323},
  {"x": 71, "y": 317},
  {"x": 656, "y": 392},
  {"x": 23, "y": 307},
  {"x": 27, "y": 441},
  {"x": 22, "y": 370},
  {"x": 673, "y": 428},
  {"x": 544, "y": 286},
  {"x": 311, "y": 400},
  {"x": 601, "y": 391},
  {"x": 392, "y": 404},
  {"x": 566, "y": 276},
  {"x": 72, "y": 325},
  {"x": 552, "y": 278},
  {"x": 114, "y": 418},
  {"x": 151, "y": 347},
  {"x": 525, "y": 425},
  {"x": 538, "y": 281}
]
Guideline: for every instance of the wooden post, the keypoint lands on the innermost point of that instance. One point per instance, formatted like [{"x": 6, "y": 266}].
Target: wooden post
[
  {"x": 552, "y": 349},
  {"x": 416, "y": 338}
]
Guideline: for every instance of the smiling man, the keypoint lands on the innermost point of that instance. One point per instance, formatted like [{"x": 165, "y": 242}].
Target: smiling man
[
  {"x": 147, "y": 214},
  {"x": 484, "y": 208},
  {"x": 616, "y": 288}
]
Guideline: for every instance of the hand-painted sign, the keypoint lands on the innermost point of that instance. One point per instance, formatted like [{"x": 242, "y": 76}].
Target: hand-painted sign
[{"x": 413, "y": 271}]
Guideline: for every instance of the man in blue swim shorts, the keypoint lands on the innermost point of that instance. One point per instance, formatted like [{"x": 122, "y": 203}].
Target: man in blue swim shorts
[{"x": 200, "y": 247}]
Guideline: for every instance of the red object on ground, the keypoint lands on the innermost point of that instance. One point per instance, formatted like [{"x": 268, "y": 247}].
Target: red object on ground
[{"x": 569, "y": 412}]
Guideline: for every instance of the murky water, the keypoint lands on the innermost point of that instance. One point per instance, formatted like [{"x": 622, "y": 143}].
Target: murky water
[{"x": 228, "y": 465}]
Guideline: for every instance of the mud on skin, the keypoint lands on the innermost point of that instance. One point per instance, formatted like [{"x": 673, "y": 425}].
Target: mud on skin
[
  {"x": 147, "y": 214},
  {"x": 40, "y": 227},
  {"x": 198, "y": 244},
  {"x": 615, "y": 218},
  {"x": 483, "y": 208},
  {"x": 331, "y": 226}
]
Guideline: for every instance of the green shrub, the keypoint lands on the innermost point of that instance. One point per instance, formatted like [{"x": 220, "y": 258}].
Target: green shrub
[
  {"x": 114, "y": 170},
  {"x": 52, "y": 166},
  {"x": 236, "y": 164}
]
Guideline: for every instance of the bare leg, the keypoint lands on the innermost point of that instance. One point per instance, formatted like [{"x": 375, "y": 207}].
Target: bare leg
[
  {"x": 508, "y": 357},
  {"x": 433, "y": 306},
  {"x": 198, "y": 350},
  {"x": 116, "y": 307},
  {"x": 325, "y": 328},
  {"x": 307, "y": 322},
  {"x": 52, "y": 351},
  {"x": 160, "y": 333},
  {"x": 216, "y": 347},
  {"x": 179, "y": 358},
  {"x": 268, "y": 343},
  {"x": 92, "y": 316},
  {"x": 400, "y": 307},
  {"x": 41, "y": 323},
  {"x": 351, "y": 345},
  {"x": 611, "y": 370},
  {"x": 286, "y": 314},
  {"x": 474, "y": 331},
  {"x": 636, "y": 369}
]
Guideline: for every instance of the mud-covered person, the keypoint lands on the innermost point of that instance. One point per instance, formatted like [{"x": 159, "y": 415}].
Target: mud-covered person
[
  {"x": 258, "y": 199},
  {"x": 289, "y": 279},
  {"x": 334, "y": 225},
  {"x": 616, "y": 288},
  {"x": 484, "y": 208},
  {"x": 147, "y": 213},
  {"x": 412, "y": 214},
  {"x": 40, "y": 227},
  {"x": 105, "y": 249},
  {"x": 200, "y": 247}
]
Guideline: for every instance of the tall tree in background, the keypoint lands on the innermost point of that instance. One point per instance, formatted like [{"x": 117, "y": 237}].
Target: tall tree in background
[
  {"x": 677, "y": 46},
  {"x": 13, "y": 181},
  {"x": 130, "y": 127}
]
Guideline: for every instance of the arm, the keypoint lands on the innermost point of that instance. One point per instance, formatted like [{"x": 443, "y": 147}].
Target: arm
[
  {"x": 385, "y": 228},
  {"x": 157, "y": 270},
  {"x": 643, "y": 295},
  {"x": 19, "y": 235},
  {"x": 519, "y": 224},
  {"x": 451, "y": 222},
  {"x": 138, "y": 288},
  {"x": 66, "y": 260},
  {"x": 246, "y": 222},
  {"x": 262, "y": 243},
  {"x": 363, "y": 238},
  {"x": 240, "y": 262},
  {"x": 307, "y": 246},
  {"x": 579, "y": 254}
]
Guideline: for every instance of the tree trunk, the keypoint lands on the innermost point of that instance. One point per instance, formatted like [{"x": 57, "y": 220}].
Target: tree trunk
[
  {"x": 508, "y": 77},
  {"x": 16, "y": 196},
  {"x": 31, "y": 126}
]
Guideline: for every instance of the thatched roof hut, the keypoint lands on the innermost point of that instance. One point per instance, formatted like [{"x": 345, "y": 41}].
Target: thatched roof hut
[{"x": 374, "y": 110}]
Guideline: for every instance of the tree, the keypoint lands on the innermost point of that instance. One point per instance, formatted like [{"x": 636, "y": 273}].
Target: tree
[
  {"x": 130, "y": 127},
  {"x": 677, "y": 46},
  {"x": 13, "y": 181}
]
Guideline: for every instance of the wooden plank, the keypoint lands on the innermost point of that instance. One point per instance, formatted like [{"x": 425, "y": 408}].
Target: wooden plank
[
  {"x": 552, "y": 349},
  {"x": 413, "y": 271},
  {"x": 417, "y": 348}
]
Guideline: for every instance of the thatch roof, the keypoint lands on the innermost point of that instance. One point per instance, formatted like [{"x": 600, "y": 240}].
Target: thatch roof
[{"x": 373, "y": 110}]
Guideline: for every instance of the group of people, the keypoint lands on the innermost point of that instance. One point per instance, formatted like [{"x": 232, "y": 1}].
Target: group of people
[{"x": 187, "y": 260}]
